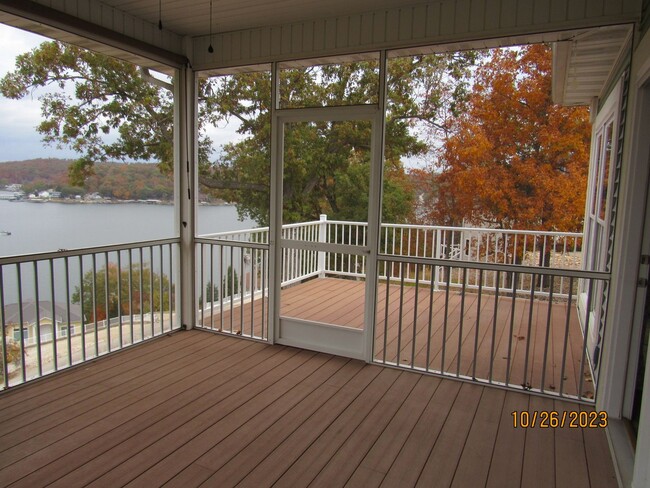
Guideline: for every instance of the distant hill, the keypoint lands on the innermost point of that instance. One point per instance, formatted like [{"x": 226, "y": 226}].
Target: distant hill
[{"x": 124, "y": 181}]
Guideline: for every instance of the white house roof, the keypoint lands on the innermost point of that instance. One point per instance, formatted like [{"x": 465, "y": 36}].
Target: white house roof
[
  {"x": 583, "y": 65},
  {"x": 12, "y": 312}
]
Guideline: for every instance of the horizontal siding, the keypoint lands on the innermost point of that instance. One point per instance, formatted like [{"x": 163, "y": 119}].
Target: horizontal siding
[
  {"x": 118, "y": 21},
  {"x": 431, "y": 23}
]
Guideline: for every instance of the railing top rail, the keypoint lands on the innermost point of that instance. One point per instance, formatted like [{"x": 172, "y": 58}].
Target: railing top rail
[
  {"x": 213, "y": 235},
  {"x": 462, "y": 229},
  {"x": 231, "y": 243},
  {"x": 401, "y": 226},
  {"x": 509, "y": 268},
  {"x": 62, "y": 253},
  {"x": 258, "y": 230},
  {"x": 486, "y": 230}
]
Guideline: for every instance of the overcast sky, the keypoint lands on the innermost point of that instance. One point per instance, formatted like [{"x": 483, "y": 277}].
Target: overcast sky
[{"x": 19, "y": 118}]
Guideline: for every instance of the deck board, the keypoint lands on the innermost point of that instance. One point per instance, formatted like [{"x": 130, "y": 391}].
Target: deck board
[
  {"x": 442, "y": 331},
  {"x": 236, "y": 412}
]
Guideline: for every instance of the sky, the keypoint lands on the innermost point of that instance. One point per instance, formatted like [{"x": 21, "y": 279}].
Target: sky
[
  {"x": 18, "y": 118},
  {"x": 19, "y": 139}
]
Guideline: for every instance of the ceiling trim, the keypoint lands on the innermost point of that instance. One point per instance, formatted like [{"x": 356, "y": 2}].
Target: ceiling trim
[{"x": 41, "y": 14}]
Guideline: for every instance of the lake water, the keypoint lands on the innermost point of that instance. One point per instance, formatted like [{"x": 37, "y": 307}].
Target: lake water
[
  {"x": 43, "y": 227},
  {"x": 40, "y": 227}
]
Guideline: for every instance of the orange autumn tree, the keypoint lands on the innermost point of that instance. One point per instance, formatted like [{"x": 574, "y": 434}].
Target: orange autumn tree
[{"x": 513, "y": 159}]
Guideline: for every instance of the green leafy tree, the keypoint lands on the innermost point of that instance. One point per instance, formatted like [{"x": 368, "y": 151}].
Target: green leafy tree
[
  {"x": 107, "y": 109},
  {"x": 133, "y": 299},
  {"x": 211, "y": 292},
  {"x": 230, "y": 283},
  {"x": 11, "y": 356}
]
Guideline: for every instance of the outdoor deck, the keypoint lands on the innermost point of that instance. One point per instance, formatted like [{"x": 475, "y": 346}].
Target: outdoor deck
[
  {"x": 340, "y": 302},
  {"x": 194, "y": 408}
]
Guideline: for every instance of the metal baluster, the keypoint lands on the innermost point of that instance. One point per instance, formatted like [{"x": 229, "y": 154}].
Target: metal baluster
[
  {"x": 478, "y": 321},
  {"x": 94, "y": 298},
  {"x": 21, "y": 321},
  {"x": 548, "y": 333},
  {"x": 67, "y": 304},
  {"x": 400, "y": 315},
  {"x": 415, "y": 313},
  {"x": 119, "y": 296},
  {"x": 585, "y": 339},
  {"x": 151, "y": 307},
  {"x": 231, "y": 289},
  {"x": 131, "y": 294},
  {"x": 161, "y": 291},
  {"x": 242, "y": 282},
  {"x": 462, "y": 319},
  {"x": 389, "y": 266},
  {"x": 5, "y": 372},
  {"x": 171, "y": 288},
  {"x": 203, "y": 287},
  {"x": 107, "y": 319},
  {"x": 263, "y": 288},
  {"x": 222, "y": 275},
  {"x": 211, "y": 286},
  {"x": 431, "y": 290},
  {"x": 55, "y": 354},
  {"x": 530, "y": 328},
  {"x": 141, "y": 295},
  {"x": 444, "y": 324},
  {"x": 494, "y": 324},
  {"x": 83, "y": 315},
  {"x": 566, "y": 335},
  {"x": 38, "y": 321},
  {"x": 512, "y": 326}
]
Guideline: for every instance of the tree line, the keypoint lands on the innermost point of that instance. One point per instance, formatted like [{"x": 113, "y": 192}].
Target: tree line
[
  {"x": 498, "y": 152},
  {"x": 134, "y": 181}
]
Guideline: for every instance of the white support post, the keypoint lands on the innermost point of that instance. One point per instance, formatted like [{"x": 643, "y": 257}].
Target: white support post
[
  {"x": 374, "y": 209},
  {"x": 186, "y": 180},
  {"x": 275, "y": 214},
  {"x": 322, "y": 237}
]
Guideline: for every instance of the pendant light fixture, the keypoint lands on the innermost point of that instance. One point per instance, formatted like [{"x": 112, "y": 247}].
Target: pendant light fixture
[
  {"x": 210, "y": 48},
  {"x": 159, "y": 14}
]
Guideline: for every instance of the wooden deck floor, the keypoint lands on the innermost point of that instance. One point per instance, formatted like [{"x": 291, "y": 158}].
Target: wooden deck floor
[
  {"x": 200, "y": 409},
  {"x": 403, "y": 334}
]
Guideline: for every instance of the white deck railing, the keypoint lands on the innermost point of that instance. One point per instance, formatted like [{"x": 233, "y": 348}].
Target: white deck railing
[
  {"x": 556, "y": 250},
  {"x": 61, "y": 299}
]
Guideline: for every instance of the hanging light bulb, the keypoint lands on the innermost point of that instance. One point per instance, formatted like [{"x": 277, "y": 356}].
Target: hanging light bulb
[
  {"x": 210, "y": 48},
  {"x": 159, "y": 14}
]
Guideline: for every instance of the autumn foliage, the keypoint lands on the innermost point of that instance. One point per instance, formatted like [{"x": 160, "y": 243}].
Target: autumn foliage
[{"x": 513, "y": 159}]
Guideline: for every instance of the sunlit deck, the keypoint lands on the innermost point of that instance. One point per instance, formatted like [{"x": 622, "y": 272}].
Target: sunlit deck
[
  {"x": 501, "y": 343},
  {"x": 196, "y": 408}
]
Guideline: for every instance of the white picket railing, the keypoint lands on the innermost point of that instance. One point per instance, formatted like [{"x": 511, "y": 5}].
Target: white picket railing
[{"x": 556, "y": 250}]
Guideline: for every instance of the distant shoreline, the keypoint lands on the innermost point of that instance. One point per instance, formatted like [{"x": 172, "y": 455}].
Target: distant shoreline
[{"x": 114, "y": 202}]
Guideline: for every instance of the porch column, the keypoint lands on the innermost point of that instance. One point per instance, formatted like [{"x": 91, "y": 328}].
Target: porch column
[{"x": 186, "y": 181}]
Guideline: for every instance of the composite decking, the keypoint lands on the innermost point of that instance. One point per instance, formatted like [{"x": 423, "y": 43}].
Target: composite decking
[
  {"x": 441, "y": 333},
  {"x": 196, "y": 408}
]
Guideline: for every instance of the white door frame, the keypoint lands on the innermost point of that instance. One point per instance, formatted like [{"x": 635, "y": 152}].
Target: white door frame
[
  {"x": 343, "y": 341},
  {"x": 362, "y": 344}
]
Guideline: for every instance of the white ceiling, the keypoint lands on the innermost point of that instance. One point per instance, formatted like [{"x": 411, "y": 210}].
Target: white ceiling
[{"x": 192, "y": 17}]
